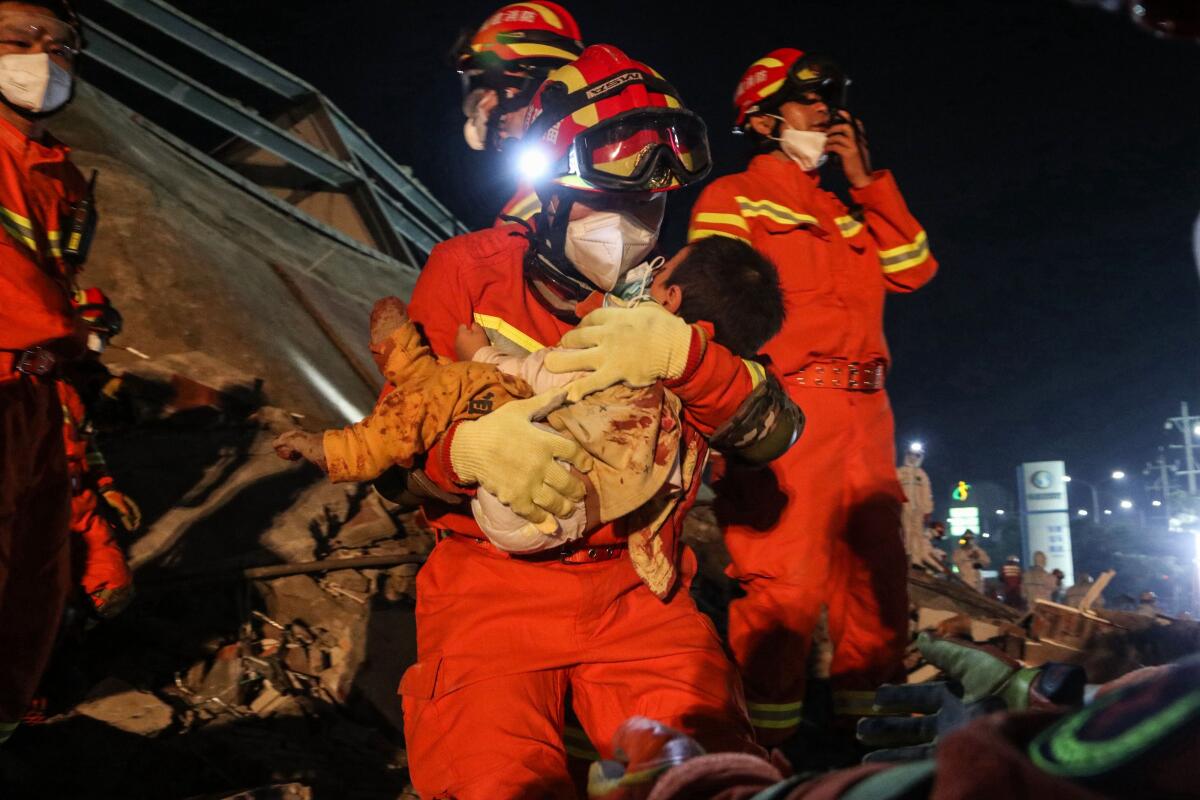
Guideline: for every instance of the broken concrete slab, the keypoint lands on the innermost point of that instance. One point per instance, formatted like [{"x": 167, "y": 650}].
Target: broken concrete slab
[{"x": 127, "y": 708}]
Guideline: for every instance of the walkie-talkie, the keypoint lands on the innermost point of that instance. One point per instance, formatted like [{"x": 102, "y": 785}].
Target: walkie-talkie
[{"x": 81, "y": 225}]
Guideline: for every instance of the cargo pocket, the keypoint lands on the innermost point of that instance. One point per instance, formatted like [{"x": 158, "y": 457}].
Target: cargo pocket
[{"x": 419, "y": 680}]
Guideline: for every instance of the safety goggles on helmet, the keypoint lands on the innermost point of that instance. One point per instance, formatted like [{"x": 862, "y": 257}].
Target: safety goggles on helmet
[
  {"x": 35, "y": 33},
  {"x": 641, "y": 150},
  {"x": 814, "y": 79}
]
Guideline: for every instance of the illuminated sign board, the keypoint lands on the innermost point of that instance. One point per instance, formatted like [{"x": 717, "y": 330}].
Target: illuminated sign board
[{"x": 963, "y": 519}]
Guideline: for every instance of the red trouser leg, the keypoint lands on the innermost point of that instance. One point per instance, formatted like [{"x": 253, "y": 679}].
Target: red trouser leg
[
  {"x": 820, "y": 527},
  {"x": 498, "y": 641},
  {"x": 34, "y": 559},
  {"x": 498, "y": 738},
  {"x": 868, "y": 619}
]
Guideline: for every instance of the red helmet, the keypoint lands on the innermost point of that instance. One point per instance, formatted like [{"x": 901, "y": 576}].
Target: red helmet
[
  {"x": 522, "y": 37},
  {"x": 96, "y": 310},
  {"x": 786, "y": 74},
  {"x": 608, "y": 123}
]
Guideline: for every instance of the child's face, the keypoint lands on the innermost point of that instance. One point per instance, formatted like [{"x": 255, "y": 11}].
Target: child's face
[{"x": 669, "y": 297}]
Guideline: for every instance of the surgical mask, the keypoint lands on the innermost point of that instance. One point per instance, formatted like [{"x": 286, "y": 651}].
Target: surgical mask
[
  {"x": 604, "y": 245},
  {"x": 635, "y": 284},
  {"x": 34, "y": 82},
  {"x": 806, "y": 148}
]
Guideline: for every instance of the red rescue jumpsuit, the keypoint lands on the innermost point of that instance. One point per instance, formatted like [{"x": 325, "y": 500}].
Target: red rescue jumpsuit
[
  {"x": 823, "y": 528},
  {"x": 500, "y": 639},
  {"x": 98, "y": 561},
  {"x": 37, "y": 186}
]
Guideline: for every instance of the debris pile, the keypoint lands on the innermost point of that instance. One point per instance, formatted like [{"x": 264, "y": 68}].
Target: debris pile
[{"x": 273, "y": 616}]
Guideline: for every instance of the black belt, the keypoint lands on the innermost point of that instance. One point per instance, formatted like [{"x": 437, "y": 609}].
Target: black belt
[
  {"x": 36, "y": 361},
  {"x": 853, "y": 376}
]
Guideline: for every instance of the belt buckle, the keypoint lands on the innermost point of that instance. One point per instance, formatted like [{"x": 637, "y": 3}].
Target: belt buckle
[{"x": 37, "y": 361}]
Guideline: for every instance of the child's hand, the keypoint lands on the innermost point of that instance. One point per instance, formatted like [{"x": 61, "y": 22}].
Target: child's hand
[
  {"x": 296, "y": 445},
  {"x": 470, "y": 340},
  {"x": 388, "y": 314}
]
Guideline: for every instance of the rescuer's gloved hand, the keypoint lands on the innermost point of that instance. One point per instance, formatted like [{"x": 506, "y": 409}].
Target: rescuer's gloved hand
[
  {"x": 505, "y": 453},
  {"x": 109, "y": 602},
  {"x": 982, "y": 679},
  {"x": 127, "y": 510},
  {"x": 638, "y": 345},
  {"x": 644, "y": 750}
]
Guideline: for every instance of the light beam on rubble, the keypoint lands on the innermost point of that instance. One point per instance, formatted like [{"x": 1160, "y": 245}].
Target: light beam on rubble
[{"x": 327, "y": 390}]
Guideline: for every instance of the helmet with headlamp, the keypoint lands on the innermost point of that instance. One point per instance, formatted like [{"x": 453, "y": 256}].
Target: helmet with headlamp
[
  {"x": 103, "y": 321},
  {"x": 605, "y": 124},
  {"x": 37, "y": 56},
  {"x": 509, "y": 56}
]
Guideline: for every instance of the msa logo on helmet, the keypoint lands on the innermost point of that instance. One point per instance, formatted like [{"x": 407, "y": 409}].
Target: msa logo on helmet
[{"x": 613, "y": 83}]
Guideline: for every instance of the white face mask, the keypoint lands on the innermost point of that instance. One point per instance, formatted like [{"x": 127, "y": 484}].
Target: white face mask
[
  {"x": 33, "y": 82},
  {"x": 95, "y": 342},
  {"x": 605, "y": 245},
  {"x": 806, "y": 148}
]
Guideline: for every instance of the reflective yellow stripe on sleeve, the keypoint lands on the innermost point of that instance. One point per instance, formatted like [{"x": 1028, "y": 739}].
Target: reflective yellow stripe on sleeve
[
  {"x": 19, "y": 227},
  {"x": 906, "y": 256},
  {"x": 696, "y": 235},
  {"x": 517, "y": 337},
  {"x": 724, "y": 219},
  {"x": 855, "y": 704},
  {"x": 775, "y": 716},
  {"x": 849, "y": 226},
  {"x": 758, "y": 373},
  {"x": 773, "y": 211}
]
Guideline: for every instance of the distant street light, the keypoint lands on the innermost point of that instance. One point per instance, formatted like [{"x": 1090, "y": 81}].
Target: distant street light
[
  {"x": 916, "y": 447},
  {"x": 1082, "y": 512},
  {"x": 1118, "y": 475},
  {"x": 1196, "y": 431},
  {"x": 1108, "y": 512},
  {"x": 1156, "y": 503},
  {"x": 1066, "y": 478},
  {"x": 999, "y": 512},
  {"x": 1126, "y": 504}
]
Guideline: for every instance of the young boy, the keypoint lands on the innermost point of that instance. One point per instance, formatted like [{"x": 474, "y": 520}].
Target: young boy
[{"x": 633, "y": 434}]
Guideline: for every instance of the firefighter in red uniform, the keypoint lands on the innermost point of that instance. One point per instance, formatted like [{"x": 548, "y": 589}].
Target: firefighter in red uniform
[
  {"x": 39, "y": 187},
  {"x": 501, "y": 637},
  {"x": 502, "y": 64},
  {"x": 99, "y": 566},
  {"x": 823, "y": 529}
]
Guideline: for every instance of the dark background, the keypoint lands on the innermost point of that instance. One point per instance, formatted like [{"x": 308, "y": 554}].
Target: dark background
[{"x": 1050, "y": 151}]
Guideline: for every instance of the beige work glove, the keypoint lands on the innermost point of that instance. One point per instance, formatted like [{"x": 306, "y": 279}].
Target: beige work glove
[
  {"x": 127, "y": 510},
  {"x": 505, "y": 453},
  {"x": 638, "y": 345}
]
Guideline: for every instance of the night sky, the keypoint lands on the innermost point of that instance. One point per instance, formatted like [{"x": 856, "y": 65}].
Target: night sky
[{"x": 1052, "y": 153}]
